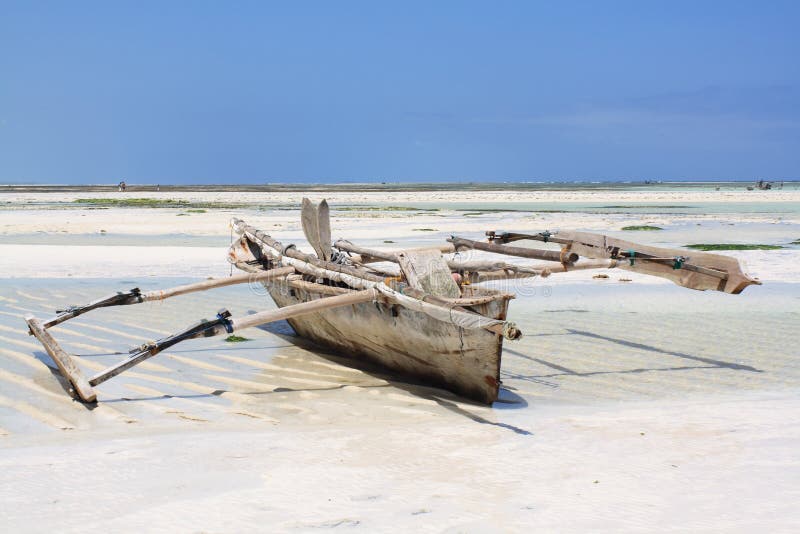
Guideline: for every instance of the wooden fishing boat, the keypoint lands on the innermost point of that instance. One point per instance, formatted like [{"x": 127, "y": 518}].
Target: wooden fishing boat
[
  {"x": 439, "y": 352},
  {"x": 409, "y": 342},
  {"x": 421, "y": 314}
]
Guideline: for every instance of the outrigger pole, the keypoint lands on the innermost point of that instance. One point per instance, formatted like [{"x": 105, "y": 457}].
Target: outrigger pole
[
  {"x": 222, "y": 324},
  {"x": 693, "y": 270},
  {"x": 67, "y": 366},
  {"x": 135, "y": 296}
]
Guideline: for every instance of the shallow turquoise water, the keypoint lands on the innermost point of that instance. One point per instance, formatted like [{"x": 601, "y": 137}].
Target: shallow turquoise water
[{"x": 583, "y": 342}]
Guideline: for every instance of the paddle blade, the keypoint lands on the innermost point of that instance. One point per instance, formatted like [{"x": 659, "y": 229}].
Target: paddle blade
[
  {"x": 324, "y": 226},
  {"x": 308, "y": 219}
]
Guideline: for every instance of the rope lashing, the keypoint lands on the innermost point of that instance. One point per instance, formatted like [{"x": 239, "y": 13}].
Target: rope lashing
[
  {"x": 678, "y": 263},
  {"x": 631, "y": 256},
  {"x": 510, "y": 331},
  {"x": 545, "y": 235}
]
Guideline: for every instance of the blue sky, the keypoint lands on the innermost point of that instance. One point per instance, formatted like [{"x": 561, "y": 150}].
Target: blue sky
[{"x": 253, "y": 92}]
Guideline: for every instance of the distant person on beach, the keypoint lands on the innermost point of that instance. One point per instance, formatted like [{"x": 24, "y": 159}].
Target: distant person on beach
[{"x": 122, "y": 186}]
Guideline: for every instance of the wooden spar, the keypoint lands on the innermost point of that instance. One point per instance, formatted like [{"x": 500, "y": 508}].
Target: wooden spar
[
  {"x": 288, "y": 312},
  {"x": 364, "y": 252},
  {"x": 543, "y": 270},
  {"x": 455, "y": 265},
  {"x": 563, "y": 256},
  {"x": 319, "y": 288},
  {"x": 135, "y": 296},
  {"x": 224, "y": 325},
  {"x": 371, "y": 255},
  {"x": 296, "y": 282},
  {"x": 259, "y": 276},
  {"x": 509, "y": 237},
  {"x": 65, "y": 364},
  {"x": 385, "y": 271},
  {"x": 477, "y": 265}
]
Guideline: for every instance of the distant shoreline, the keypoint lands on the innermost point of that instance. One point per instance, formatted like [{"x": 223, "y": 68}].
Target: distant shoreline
[{"x": 387, "y": 187}]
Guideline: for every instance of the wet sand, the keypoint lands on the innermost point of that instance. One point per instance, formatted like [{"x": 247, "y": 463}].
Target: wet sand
[{"x": 627, "y": 406}]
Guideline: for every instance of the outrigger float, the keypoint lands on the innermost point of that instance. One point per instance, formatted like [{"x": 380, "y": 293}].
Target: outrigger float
[{"x": 420, "y": 313}]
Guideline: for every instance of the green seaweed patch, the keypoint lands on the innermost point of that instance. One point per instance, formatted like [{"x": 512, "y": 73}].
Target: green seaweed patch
[
  {"x": 495, "y": 210},
  {"x": 196, "y": 211},
  {"x": 795, "y": 242},
  {"x": 642, "y": 228},
  {"x": 424, "y": 229},
  {"x": 233, "y": 338},
  {"x": 388, "y": 241},
  {"x": 151, "y": 203},
  {"x": 474, "y": 214},
  {"x": 634, "y": 206},
  {"x": 731, "y": 246},
  {"x": 384, "y": 208},
  {"x": 134, "y": 202}
]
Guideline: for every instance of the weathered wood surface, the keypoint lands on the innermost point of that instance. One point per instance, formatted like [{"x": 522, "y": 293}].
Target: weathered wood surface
[
  {"x": 66, "y": 365},
  {"x": 161, "y": 294},
  {"x": 441, "y": 306},
  {"x": 544, "y": 270},
  {"x": 371, "y": 255},
  {"x": 460, "y": 304},
  {"x": 466, "y": 362},
  {"x": 304, "y": 308},
  {"x": 713, "y": 271},
  {"x": 310, "y": 224},
  {"x": 324, "y": 229},
  {"x": 534, "y": 253},
  {"x": 427, "y": 270}
]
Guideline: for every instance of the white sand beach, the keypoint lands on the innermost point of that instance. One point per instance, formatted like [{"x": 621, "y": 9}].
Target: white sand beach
[{"x": 627, "y": 406}]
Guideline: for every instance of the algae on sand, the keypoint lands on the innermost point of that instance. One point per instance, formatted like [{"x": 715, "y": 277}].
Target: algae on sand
[
  {"x": 731, "y": 246},
  {"x": 643, "y": 227},
  {"x": 152, "y": 203},
  {"x": 384, "y": 208}
]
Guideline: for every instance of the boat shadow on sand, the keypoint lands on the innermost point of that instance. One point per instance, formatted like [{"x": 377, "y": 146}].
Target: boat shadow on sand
[
  {"x": 561, "y": 370},
  {"x": 449, "y": 401}
]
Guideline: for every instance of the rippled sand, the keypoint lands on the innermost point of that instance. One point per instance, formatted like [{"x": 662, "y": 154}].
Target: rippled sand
[{"x": 620, "y": 405}]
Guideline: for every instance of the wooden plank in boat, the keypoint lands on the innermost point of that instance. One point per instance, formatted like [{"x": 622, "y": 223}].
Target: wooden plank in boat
[{"x": 427, "y": 270}]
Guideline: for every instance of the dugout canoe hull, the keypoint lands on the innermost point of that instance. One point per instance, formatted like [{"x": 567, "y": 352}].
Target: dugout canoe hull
[{"x": 406, "y": 343}]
